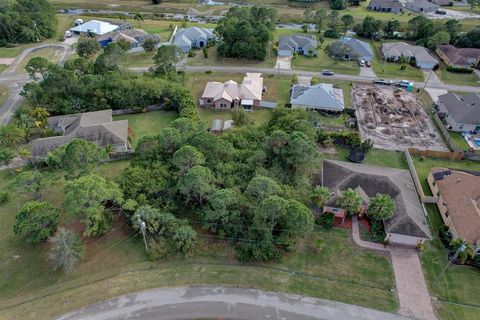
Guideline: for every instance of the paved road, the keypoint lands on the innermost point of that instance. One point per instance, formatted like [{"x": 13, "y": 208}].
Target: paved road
[
  {"x": 223, "y": 303},
  {"x": 243, "y": 69},
  {"x": 15, "y": 80}
]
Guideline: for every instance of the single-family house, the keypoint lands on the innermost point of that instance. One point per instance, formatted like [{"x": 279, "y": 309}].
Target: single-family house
[
  {"x": 460, "y": 113},
  {"x": 361, "y": 50},
  {"x": 305, "y": 45},
  {"x": 392, "y": 51},
  {"x": 422, "y": 6},
  {"x": 94, "y": 27},
  {"x": 134, "y": 36},
  {"x": 408, "y": 226},
  {"x": 322, "y": 96},
  {"x": 228, "y": 95},
  {"x": 394, "y": 6},
  {"x": 459, "y": 57},
  {"x": 97, "y": 127},
  {"x": 459, "y": 201},
  {"x": 193, "y": 38}
]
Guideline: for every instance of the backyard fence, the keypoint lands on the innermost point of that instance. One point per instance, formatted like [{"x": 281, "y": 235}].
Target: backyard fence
[
  {"x": 130, "y": 111},
  {"x": 446, "y": 136},
  {"x": 416, "y": 180},
  {"x": 447, "y": 155}
]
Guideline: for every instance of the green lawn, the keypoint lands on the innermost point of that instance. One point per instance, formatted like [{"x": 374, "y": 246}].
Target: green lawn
[
  {"x": 14, "y": 51},
  {"x": 147, "y": 123},
  {"x": 138, "y": 59},
  {"x": 3, "y": 67},
  {"x": 463, "y": 79},
  {"x": 3, "y": 94},
  {"x": 51, "y": 54},
  {"x": 213, "y": 60},
  {"x": 392, "y": 69},
  {"x": 459, "y": 140}
]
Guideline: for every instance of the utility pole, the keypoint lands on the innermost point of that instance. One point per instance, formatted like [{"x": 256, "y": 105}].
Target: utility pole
[{"x": 142, "y": 229}]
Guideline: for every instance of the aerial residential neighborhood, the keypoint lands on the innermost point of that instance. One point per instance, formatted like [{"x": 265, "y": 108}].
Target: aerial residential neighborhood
[{"x": 281, "y": 159}]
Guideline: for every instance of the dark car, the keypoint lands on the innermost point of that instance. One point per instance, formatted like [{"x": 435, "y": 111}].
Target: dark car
[
  {"x": 368, "y": 64},
  {"x": 383, "y": 81},
  {"x": 327, "y": 73}
]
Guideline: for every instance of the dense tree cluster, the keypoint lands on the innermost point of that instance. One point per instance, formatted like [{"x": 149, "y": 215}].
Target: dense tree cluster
[
  {"x": 246, "y": 32},
  {"x": 248, "y": 186},
  {"x": 23, "y": 21},
  {"x": 84, "y": 85}
]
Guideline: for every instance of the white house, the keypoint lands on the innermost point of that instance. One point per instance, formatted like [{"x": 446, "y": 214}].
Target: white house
[{"x": 94, "y": 27}]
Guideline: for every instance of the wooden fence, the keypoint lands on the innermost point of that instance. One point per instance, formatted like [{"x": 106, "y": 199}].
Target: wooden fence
[
  {"x": 416, "y": 180},
  {"x": 447, "y": 155}
]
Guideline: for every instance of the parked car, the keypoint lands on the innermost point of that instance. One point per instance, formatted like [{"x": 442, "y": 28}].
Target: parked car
[
  {"x": 383, "y": 81},
  {"x": 327, "y": 73},
  {"x": 403, "y": 83},
  {"x": 368, "y": 63},
  {"x": 361, "y": 63}
]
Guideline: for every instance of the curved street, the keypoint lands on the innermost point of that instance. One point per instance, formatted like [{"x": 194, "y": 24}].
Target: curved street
[{"x": 210, "y": 302}]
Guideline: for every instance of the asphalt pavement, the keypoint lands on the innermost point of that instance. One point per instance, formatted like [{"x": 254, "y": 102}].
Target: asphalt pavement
[{"x": 212, "y": 302}]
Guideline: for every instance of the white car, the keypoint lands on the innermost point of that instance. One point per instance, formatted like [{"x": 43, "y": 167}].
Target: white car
[
  {"x": 403, "y": 83},
  {"x": 362, "y": 63}
]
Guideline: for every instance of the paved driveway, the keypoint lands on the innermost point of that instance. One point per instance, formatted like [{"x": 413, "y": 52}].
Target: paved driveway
[
  {"x": 367, "y": 72},
  {"x": 284, "y": 63},
  {"x": 223, "y": 303}
]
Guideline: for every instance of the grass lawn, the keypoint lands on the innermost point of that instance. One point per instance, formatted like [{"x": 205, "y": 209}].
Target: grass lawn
[
  {"x": 138, "y": 59},
  {"x": 323, "y": 62},
  {"x": 3, "y": 94},
  {"x": 3, "y": 67},
  {"x": 214, "y": 60},
  {"x": 459, "y": 140},
  {"x": 51, "y": 54},
  {"x": 14, "y": 51},
  {"x": 463, "y": 79},
  {"x": 392, "y": 69},
  {"x": 148, "y": 123}
]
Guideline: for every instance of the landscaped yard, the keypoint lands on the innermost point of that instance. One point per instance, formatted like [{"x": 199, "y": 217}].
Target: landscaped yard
[
  {"x": 392, "y": 70},
  {"x": 324, "y": 62},
  {"x": 459, "y": 140},
  {"x": 463, "y": 79}
]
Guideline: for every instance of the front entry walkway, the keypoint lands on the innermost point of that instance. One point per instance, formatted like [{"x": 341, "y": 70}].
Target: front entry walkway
[{"x": 412, "y": 290}]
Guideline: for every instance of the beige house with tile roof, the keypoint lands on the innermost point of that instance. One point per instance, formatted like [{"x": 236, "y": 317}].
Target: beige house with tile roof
[
  {"x": 459, "y": 204},
  {"x": 97, "y": 127},
  {"x": 228, "y": 95}
]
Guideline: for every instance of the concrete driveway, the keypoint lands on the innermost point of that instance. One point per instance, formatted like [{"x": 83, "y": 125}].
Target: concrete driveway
[
  {"x": 284, "y": 63},
  {"x": 205, "y": 302},
  {"x": 367, "y": 72}
]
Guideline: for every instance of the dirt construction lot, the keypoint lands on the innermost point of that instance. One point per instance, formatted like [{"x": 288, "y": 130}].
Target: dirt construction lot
[{"x": 394, "y": 119}]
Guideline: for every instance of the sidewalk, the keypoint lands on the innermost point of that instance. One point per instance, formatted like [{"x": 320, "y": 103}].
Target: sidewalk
[{"x": 411, "y": 287}]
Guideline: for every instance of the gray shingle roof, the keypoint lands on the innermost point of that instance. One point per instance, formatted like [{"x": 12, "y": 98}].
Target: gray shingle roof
[
  {"x": 401, "y": 48},
  {"x": 409, "y": 218},
  {"x": 359, "y": 47},
  {"x": 463, "y": 109},
  {"x": 320, "y": 96},
  {"x": 97, "y": 127},
  {"x": 296, "y": 41},
  {"x": 385, "y": 4},
  {"x": 186, "y": 36}
]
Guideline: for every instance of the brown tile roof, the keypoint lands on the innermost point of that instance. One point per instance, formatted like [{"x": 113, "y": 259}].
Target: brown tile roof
[{"x": 460, "y": 191}]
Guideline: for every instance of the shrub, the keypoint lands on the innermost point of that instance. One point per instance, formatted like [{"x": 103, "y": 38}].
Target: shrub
[
  {"x": 5, "y": 197},
  {"x": 326, "y": 220},
  {"x": 459, "y": 70},
  {"x": 191, "y": 54},
  {"x": 445, "y": 236},
  {"x": 332, "y": 34},
  {"x": 378, "y": 231}
]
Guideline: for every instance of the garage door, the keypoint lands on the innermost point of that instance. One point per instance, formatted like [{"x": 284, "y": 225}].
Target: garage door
[{"x": 284, "y": 53}]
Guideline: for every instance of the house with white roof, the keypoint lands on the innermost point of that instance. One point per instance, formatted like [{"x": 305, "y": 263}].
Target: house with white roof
[
  {"x": 321, "y": 96},
  {"x": 392, "y": 51},
  {"x": 94, "y": 27},
  {"x": 193, "y": 38},
  {"x": 228, "y": 95}
]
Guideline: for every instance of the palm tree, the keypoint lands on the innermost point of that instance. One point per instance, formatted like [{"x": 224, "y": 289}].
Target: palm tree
[
  {"x": 381, "y": 207},
  {"x": 350, "y": 201},
  {"x": 320, "y": 196},
  {"x": 10, "y": 135}
]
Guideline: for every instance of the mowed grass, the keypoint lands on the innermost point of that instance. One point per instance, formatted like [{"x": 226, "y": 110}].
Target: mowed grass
[
  {"x": 463, "y": 79},
  {"x": 323, "y": 62},
  {"x": 3, "y": 67},
  {"x": 3, "y": 94},
  {"x": 51, "y": 54},
  {"x": 138, "y": 59},
  {"x": 214, "y": 60},
  {"x": 147, "y": 123},
  {"x": 392, "y": 70},
  {"x": 459, "y": 140}
]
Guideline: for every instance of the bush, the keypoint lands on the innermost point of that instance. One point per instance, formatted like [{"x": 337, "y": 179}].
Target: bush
[
  {"x": 445, "y": 236},
  {"x": 5, "y": 197},
  {"x": 326, "y": 220},
  {"x": 459, "y": 70},
  {"x": 332, "y": 33},
  {"x": 378, "y": 231},
  {"x": 191, "y": 54}
]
